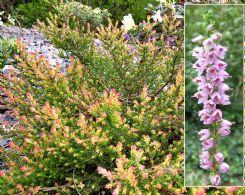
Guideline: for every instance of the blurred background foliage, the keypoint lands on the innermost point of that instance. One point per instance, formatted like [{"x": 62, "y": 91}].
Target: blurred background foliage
[
  {"x": 26, "y": 12},
  {"x": 228, "y": 20}
]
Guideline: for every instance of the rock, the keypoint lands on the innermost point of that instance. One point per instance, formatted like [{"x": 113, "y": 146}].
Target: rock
[
  {"x": 4, "y": 143},
  {"x": 35, "y": 42},
  {"x": 9, "y": 68}
]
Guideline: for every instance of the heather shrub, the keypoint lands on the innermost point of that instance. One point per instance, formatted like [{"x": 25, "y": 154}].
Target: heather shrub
[
  {"x": 118, "y": 110},
  {"x": 114, "y": 63}
]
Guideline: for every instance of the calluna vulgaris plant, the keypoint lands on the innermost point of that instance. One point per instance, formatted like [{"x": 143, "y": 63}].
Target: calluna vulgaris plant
[
  {"x": 112, "y": 123},
  {"x": 212, "y": 93}
]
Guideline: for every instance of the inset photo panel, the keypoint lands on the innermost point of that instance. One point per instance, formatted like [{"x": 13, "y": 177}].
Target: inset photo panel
[{"x": 213, "y": 95}]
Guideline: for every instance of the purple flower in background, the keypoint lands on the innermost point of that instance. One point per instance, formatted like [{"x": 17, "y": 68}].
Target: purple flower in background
[
  {"x": 138, "y": 36},
  {"x": 126, "y": 37},
  {"x": 152, "y": 38},
  {"x": 171, "y": 41},
  {"x": 211, "y": 93}
]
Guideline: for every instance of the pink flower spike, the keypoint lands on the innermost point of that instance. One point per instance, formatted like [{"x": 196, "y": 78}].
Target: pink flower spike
[
  {"x": 225, "y": 100},
  {"x": 199, "y": 65},
  {"x": 220, "y": 51},
  {"x": 219, "y": 157},
  {"x": 216, "y": 36},
  {"x": 208, "y": 44},
  {"x": 208, "y": 88},
  {"x": 217, "y": 81},
  {"x": 223, "y": 74},
  {"x": 220, "y": 64},
  {"x": 212, "y": 73},
  {"x": 217, "y": 114},
  {"x": 224, "y": 167},
  {"x": 211, "y": 93},
  {"x": 206, "y": 164},
  {"x": 216, "y": 97},
  {"x": 198, "y": 52},
  {"x": 202, "y": 97},
  {"x": 207, "y": 119},
  {"x": 222, "y": 88},
  {"x": 204, "y": 155},
  {"x": 199, "y": 79},
  {"x": 204, "y": 133},
  {"x": 224, "y": 131},
  {"x": 210, "y": 105},
  {"x": 207, "y": 144},
  {"x": 226, "y": 123},
  {"x": 215, "y": 180},
  {"x": 211, "y": 58}
]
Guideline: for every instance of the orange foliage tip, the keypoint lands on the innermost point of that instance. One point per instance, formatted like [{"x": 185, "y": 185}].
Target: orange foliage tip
[
  {"x": 2, "y": 173},
  {"x": 231, "y": 190},
  {"x": 199, "y": 191},
  {"x": 23, "y": 168},
  {"x": 11, "y": 144},
  {"x": 19, "y": 187},
  {"x": 22, "y": 128}
]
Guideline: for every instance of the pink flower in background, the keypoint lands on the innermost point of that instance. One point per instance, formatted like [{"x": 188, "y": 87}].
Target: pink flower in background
[{"x": 211, "y": 93}]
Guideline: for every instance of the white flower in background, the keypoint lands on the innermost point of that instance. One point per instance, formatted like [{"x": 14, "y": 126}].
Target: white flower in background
[
  {"x": 97, "y": 10},
  {"x": 157, "y": 16},
  {"x": 210, "y": 27},
  {"x": 162, "y": 1},
  {"x": 1, "y": 22},
  {"x": 128, "y": 22}
]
